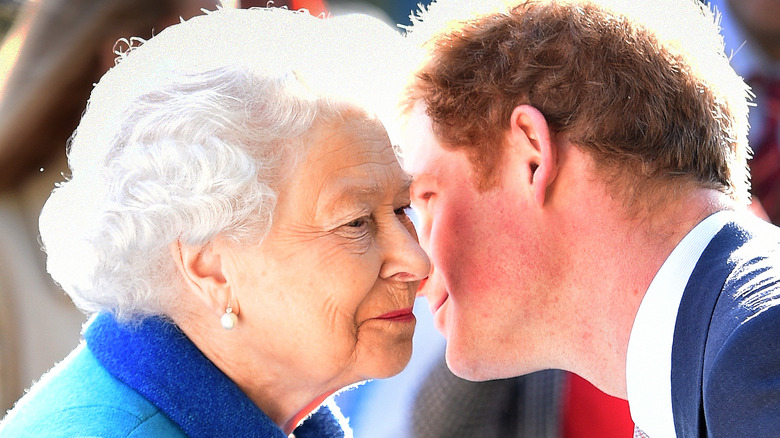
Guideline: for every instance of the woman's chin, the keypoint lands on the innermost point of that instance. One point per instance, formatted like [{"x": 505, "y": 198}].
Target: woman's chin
[{"x": 394, "y": 361}]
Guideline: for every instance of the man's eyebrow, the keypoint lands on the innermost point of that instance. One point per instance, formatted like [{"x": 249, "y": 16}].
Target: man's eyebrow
[{"x": 422, "y": 178}]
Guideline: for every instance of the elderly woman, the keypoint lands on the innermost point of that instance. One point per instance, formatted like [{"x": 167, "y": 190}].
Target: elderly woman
[{"x": 235, "y": 221}]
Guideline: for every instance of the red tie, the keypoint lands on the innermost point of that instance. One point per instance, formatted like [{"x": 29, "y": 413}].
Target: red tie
[
  {"x": 765, "y": 165},
  {"x": 589, "y": 413}
]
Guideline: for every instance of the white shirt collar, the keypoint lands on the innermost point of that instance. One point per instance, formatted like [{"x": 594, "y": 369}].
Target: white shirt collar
[{"x": 649, "y": 356}]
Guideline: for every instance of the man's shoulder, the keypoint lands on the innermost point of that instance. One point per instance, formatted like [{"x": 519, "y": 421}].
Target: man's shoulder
[
  {"x": 741, "y": 379},
  {"x": 748, "y": 252},
  {"x": 726, "y": 350},
  {"x": 749, "y": 298},
  {"x": 78, "y": 397},
  {"x": 741, "y": 368},
  {"x": 736, "y": 276},
  {"x": 753, "y": 284}
]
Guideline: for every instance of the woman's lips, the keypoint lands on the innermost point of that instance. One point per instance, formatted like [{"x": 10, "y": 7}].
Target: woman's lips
[{"x": 398, "y": 315}]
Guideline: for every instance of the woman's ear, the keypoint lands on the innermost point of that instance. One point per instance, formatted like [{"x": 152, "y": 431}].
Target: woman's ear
[
  {"x": 531, "y": 135},
  {"x": 202, "y": 273}
]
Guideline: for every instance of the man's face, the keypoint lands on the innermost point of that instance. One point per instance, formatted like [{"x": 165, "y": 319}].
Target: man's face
[{"x": 486, "y": 285}]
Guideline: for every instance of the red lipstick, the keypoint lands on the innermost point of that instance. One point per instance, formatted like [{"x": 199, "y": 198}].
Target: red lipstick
[{"x": 401, "y": 315}]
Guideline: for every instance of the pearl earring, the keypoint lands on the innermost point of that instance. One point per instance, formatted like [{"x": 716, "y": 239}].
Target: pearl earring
[{"x": 229, "y": 319}]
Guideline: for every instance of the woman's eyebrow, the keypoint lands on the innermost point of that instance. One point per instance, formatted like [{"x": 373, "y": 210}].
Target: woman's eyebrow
[
  {"x": 349, "y": 192},
  {"x": 406, "y": 183}
]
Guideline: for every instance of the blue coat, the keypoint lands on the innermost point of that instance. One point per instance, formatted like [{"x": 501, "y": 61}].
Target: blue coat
[
  {"x": 726, "y": 348},
  {"x": 145, "y": 380}
]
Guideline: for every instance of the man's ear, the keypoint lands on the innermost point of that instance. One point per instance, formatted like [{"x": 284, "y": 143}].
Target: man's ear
[
  {"x": 202, "y": 273},
  {"x": 529, "y": 132}
]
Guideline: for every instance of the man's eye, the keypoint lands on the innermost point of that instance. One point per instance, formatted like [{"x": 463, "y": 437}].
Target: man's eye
[
  {"x": 421, "y": 198},
  {"x": 426, "y": 196}
]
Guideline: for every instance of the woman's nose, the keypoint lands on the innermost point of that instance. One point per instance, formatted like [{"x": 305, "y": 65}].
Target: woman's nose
[{"x": 405, "y": 259}]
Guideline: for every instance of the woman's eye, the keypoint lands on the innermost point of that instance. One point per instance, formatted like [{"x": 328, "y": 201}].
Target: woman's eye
[
  {"x": 357, "y": 223},
  {"x": 403, "y": 210}
]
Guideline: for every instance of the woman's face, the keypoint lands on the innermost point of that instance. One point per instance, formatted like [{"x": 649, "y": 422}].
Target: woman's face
[{"x": 329, "y": 292}]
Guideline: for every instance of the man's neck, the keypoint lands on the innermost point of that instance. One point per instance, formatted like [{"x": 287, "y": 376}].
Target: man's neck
[{"x": 623, "y": 257}]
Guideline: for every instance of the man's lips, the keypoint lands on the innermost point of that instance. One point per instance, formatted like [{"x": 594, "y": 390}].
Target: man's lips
[
  {"x": 435, "y": 301},
  {"x": 436, "y": 305},
  {"x": 398, "y": 315},
  {"x": 421, "y": 286}
]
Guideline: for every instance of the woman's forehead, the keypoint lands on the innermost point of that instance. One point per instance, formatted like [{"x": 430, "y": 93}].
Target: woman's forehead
[{"x": 348, "y": 162}]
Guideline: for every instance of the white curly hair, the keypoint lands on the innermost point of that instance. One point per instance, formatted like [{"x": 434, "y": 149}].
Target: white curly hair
[{"x": 190, "y": 135}]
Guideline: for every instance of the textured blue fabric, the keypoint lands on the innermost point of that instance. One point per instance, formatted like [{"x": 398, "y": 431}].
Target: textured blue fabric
[
  {"x": 78, "y": 398},
  {"x": 726, "y": 349},
  {"x": 145, "y": 379}
]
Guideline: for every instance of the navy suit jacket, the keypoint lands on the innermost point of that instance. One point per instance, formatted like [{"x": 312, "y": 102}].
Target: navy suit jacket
[{"x": 726, "y": 349}]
